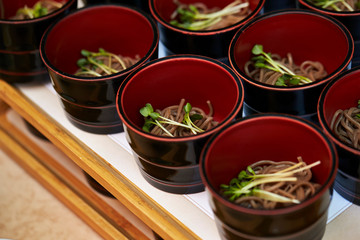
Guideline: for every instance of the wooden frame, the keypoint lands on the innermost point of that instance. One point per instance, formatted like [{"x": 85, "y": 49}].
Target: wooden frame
[{"x": 131, "y": 196}]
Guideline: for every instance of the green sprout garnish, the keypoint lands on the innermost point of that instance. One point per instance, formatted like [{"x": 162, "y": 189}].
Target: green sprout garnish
[
  {"x": 247, "y": 181},
  {"x": 37, "y": 10},
  {"x": 89, "y": 64},
  {"x": 288, "y": 78},
  {"x": 154, "y": 118},
  {"x": 358, "y": 106},
  {"x": 190, "y": 18},
  {"x": 331, "y": 4}
]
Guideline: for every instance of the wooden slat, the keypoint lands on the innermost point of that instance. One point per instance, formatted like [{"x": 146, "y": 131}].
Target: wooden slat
[
  {"x": 58, "y": 188},
  {"x": 82, "y": 190},
  {"x": 132, "y": 197}
]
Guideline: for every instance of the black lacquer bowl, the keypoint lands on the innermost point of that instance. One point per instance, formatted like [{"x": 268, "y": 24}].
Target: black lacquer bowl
[
  {"x": 271, "y": 5},
  {"x": 89, "y": 102},
  {"x": 276, "y": 137},
  {"x": 19, "y": 45},
  {"x": 343, "y": 93},
  {"x": 171, "y": 163},
  {"x": 142, "y": 4},
  {"x": 306, "y": 35},
  {"x": 214, "y": 43},
  {"x": 351, "y": 20}
]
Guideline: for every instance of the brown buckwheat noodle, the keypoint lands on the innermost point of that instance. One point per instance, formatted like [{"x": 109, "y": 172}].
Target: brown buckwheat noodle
[
  {"x": 176, "y": 113},
  {"x": 311, "y": 69},
  {"x": 301, "y": 189},
  {"x": 346, "y": 126}
]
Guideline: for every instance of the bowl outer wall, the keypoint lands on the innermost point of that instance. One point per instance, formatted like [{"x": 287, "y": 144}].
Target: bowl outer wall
[
  {"x": 19, "y": 45},
  {"x": 292, "y": 100},
  {"x": 138, "y": 90},
  {"x": 248, "y": 220}
]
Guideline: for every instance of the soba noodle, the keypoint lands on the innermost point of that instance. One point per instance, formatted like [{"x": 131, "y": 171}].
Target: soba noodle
[
  {"x": 346, "y": 125},
  {"x": 176, "y": 113},
  {"x": 223, "y": 21},
  {"x": 300, "y": 189},
  {"x": 313, "y": 70}
]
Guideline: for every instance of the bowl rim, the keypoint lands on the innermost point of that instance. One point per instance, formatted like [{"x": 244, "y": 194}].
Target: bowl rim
[
  {"x": 327, "y": 11},
  {"x": 67, "y": 76},
  {"x": 286, "y": 210},
  {"x": 321, "y": 115},
  {"x": 268, "y": 15},
  {"x": 183, "y": 57},
  {"x": 167, "y": 25},
  {"x": 40, "y": 19}
]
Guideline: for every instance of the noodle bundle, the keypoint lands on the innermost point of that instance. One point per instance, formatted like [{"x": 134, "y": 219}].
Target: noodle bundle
[
  {"x": 346, "y": 126},
  {"x": 177, "y": 113},
  {"x": 40, "y": 8},
  {"x": 340, "y": 6},
  {"x": 312, "y": 70},
  {"x": 298, "y": 190},
  {"x": 237, "y": 11},
  {"x": 106, "y": 65}
]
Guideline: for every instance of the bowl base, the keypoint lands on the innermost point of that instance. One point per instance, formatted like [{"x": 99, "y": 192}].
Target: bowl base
[
  {"x": 314, "y": 232},
  {"x": 348, "y": 187},
  {"x": 34, "y": 131},
  {"x": 173, "y": 188},
  {"x": 96, "y": 128},
  {"x": 247, "y": 111},
  {"x": 167, "y": 52},
  {"x": 97, "y": 186},
  {"x": 25, "y": 78}
]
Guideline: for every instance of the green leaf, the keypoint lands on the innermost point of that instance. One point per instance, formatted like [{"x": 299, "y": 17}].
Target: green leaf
[
  {"x": 193, "y": 8},
  {"x": 234, "y": 181},
  {"x": 147, "y": 125},
  {"x": 258, "y": 58},
  {"x": 85, "y": 53},
  {"x": 154, "y": 115},
  {"x": 196, "y": 117},
  {"x": 250, "y": 170},
  {"x": 101, "y": 50},
  {"x": 43, "y": 12},
  {"x": 145, "y": 111},
  {"x": 294, "y": 81},
  {"x": 242, "y": 175},
  {"x": 280, "y": 82},
  {"x": 257, "y": 49},
  {"x": 187, "y": 107},
  {"x": 244, "y": 183},
  {"x": 82, "y": 62}
]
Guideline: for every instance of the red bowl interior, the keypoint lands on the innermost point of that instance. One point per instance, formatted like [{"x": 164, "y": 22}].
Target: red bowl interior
[
  {"x": 163, "y": 83},
  {"x": 10, "y": 7},
  {"x": 116, "y": 29},
  {"x": 306, "y": 35},
  {"x": 341, "y": 93},
  {"x": 272, "y": 137},
  {"x": 163, "y": 9}
]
